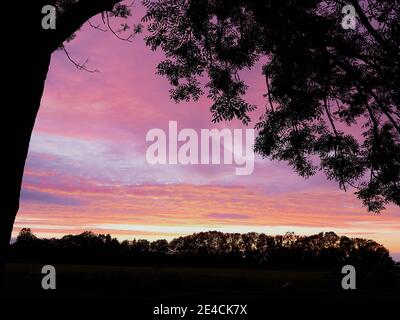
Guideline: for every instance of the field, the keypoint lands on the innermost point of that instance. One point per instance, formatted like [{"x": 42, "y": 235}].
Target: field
[{"x": 152, "y": 284}]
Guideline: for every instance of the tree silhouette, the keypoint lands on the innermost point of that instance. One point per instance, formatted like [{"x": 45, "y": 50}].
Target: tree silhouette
[
  {"x": 332, "y": 94},
  {"x": 26, "y": 236},
  {"x": 26, "y": 70},
  {"x": 323, "y": 251}
]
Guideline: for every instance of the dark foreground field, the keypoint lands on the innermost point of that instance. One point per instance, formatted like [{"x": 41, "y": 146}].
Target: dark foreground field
[
  {"x": 97, "y": 291},
  {"x": 23, "y": 282}
]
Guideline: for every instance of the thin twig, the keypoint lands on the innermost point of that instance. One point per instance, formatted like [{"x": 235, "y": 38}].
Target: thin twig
[
  {"x": 96, "y": 27},
  {"x": 79, "y": 66},
  {"x": 115, "y": 33}
]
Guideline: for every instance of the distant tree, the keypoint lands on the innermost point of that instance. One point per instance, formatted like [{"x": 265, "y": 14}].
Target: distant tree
[
  {"x": 141, "y": 246},
  {"x": 159, "y": 246},
  {"x": 248, "y": 244},
  {"x": 332, "y": 94},
  {"x": 25, "y": 236},
  {"x": 323, "y": 251}
]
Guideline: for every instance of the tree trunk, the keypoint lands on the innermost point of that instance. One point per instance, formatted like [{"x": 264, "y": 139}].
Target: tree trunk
[
  {"x": 28, "y": 48},
  {"x": 26, "y": 89}
]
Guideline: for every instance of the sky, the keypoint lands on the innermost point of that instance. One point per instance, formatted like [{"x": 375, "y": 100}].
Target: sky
[{"x": 87, "y": 168}]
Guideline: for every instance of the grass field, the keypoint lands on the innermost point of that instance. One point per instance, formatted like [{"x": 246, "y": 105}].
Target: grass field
[{"x": 81, "y": 282}]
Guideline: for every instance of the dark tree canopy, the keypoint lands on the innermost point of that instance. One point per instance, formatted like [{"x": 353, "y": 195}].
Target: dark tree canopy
[
  {"x": 332, "y": 94},
  {"x": 320, "y": 251}
]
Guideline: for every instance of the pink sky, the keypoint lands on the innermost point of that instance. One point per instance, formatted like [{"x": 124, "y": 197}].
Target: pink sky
[{"x": 87, "y": 170}]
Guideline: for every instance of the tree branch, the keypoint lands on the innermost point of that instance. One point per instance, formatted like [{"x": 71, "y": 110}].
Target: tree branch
[
  {"x": 375, "y": 34},
  {"x": 96, "y": 27},
  {"x": 74, "y": 17},
  {"x": 350, "y": 71},
  {"x": 79, "y": 66},
  {"x": 115, "y": 33}
]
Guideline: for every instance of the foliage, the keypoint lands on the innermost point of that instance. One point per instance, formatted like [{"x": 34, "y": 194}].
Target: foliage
[
  {"x": 332, "y": 95},
  {"x": 325, "y": 251}
]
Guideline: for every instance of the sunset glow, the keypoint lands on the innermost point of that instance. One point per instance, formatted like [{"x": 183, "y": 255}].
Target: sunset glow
[{"x": 87, "y": 168}]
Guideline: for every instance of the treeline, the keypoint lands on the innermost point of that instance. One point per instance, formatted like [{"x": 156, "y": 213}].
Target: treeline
[{"x": 323, "y": 251}]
